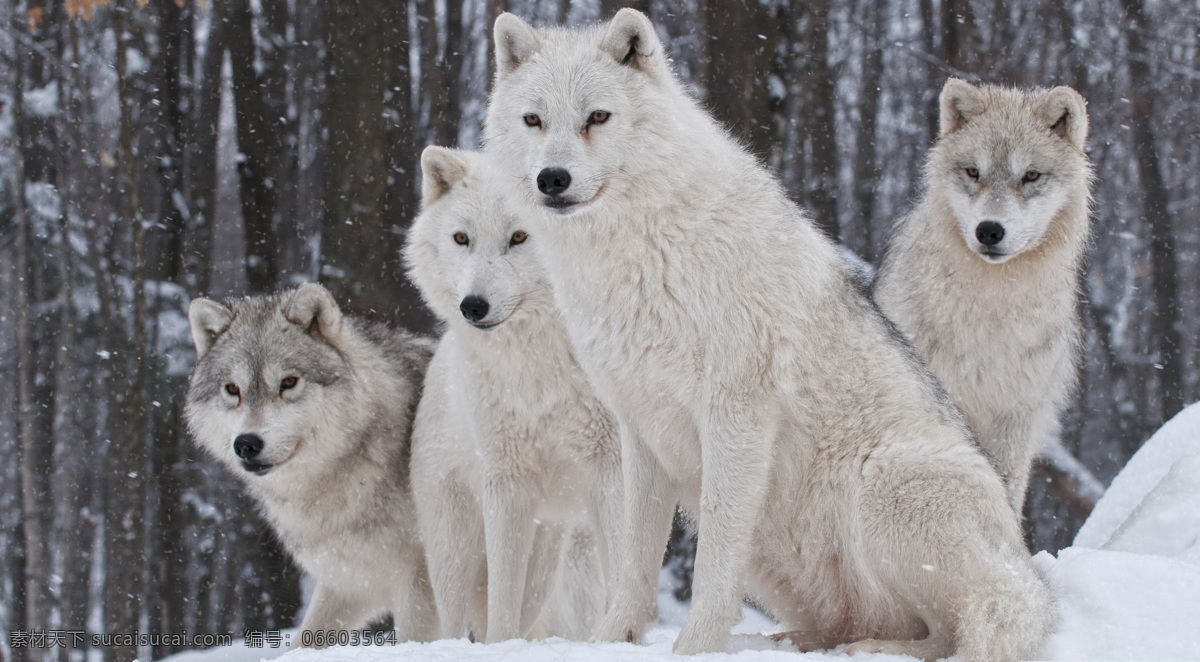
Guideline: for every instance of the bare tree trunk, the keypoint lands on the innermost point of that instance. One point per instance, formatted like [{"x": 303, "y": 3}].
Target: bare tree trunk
[
  {"x": 370, "y": 165},
  {"x": 70, "y": 460},
  {"x": 458, "y": 49},
  {"x": 256, "y": 137},
  {"x": 70, "y": 464},
  {"x": 1172, "y": 347},
  {"x": 742, "y": 43},
  {"x": 125, "y": 517},
  {"x": 935, "y": 73},
  {"x": 308, "y": 73},
  {"x": 35, "y": 457},
  {"x": 818, "y": 82},
  {"x": 285, "y": 77},
  {"x": 960, "y": 41},
  {"x": 202, "y": 155},
  {"x": 163, "y": 251},
  {"x": 35, "y": 454},
  {"x": 441, "y": 70},
  {"x": 865, "y": 173},
  {"x": 167, "y": 244}
]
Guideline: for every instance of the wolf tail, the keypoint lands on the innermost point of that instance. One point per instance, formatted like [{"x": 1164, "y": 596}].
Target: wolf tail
[{"x": 1007, "y": 615}]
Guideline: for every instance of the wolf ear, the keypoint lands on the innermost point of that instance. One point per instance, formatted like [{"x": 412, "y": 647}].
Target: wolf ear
[
  {"x": 516, "y": 42},
  {"x": 1065, "y": 112},
  {"x": 441, "y": 169},
  {"x": 208, "y": 320},
  {"x": 312, "y": 308},
  {"x": 960, "y": 101},
  {"x": 631, "y": 40}
]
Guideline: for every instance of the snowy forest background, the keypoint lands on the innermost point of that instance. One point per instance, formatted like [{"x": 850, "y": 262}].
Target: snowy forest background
[{"x": 156, "y": 150}]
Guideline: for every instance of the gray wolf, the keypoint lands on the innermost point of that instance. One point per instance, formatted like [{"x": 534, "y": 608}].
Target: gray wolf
[
  {"x": 512, "y": 451},
  {"x": 752, "y": 379},
  {"x": 312, "y": 410},
  {"x": 983, "y": 275}
]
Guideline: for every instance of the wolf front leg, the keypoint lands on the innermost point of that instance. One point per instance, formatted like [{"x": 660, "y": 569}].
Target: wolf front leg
[
  {"x": 1020, "y": 434},
  {"x": 539, "y": 578},
  {"x": 414, "y": 612},
  {"x": 607, "y": 520},
  {"x": 452, "y": 530},
  {"x": 509, "y": 534},
  {"x": 650, "y": 499},
  {"x": 737, "y": 435}
]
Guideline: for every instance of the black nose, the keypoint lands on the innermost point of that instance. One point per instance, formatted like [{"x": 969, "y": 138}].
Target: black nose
[
  {"x": 989, "y": 233},
  {"x": 553, "y": 181},
  {"x": 247, "y": 446},
  {"x": 474, "y": 308}
]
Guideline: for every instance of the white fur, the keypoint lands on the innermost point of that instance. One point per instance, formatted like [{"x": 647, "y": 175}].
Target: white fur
[
  {"x": 752, "y": 380},
  {"x": 511, "y": 449},
  {"x": 1001, "y": 333},
  {"x": 335, "y": 451}
]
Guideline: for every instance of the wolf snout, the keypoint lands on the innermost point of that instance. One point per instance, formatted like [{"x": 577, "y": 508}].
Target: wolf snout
[
  {"x": 247, "y": 446},
  {"x": 989, "y": 233},
  {"x": 474, "y": 308},
  {"x": 553, "y": 181}
]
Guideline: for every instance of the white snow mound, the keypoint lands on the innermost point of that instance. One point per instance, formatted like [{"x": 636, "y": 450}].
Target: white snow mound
[
  {"x": 1122, "y": 606},
  {"x": 1153, "y": 505}
]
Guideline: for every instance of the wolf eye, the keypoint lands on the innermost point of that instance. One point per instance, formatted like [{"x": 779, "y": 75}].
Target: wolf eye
[
  {"x": 461, "y": 238},
  {"x": 973, "y": 173},
  {"x": 598, "y": 117},
  {"x": 532, "y": 120},
  {"x": 518, "y": 237},
  {"x": 288, "y": 382},
  {"x": 1031, "y": 176},
  {"x": 232, "y": 389}
]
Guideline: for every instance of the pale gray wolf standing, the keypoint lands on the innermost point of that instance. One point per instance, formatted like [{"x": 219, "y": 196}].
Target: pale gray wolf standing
[
  {"x": 751, "y": 378},
  {"x": 312, "y": 410},
  {"x": 983, "y": 276},
  {"x": 508, "y": 433}
]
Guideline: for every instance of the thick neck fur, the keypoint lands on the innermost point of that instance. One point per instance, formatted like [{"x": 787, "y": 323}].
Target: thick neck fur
[
  {"x": 500, "y": 357},
  {"x": 937, "y": 257},
  {"x": 702, "y": 165}
]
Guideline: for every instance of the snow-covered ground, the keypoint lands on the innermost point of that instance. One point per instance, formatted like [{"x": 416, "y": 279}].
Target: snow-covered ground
[{"x": 1129, "y": 588}]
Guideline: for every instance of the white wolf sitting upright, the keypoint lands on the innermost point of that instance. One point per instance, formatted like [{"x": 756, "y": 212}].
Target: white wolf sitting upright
[
  {"x": 983, "y": 276},
  {"x": 312, "y": 410},
  {"x": 752, "y": 379},
  {"x": 508, "y": 433}
]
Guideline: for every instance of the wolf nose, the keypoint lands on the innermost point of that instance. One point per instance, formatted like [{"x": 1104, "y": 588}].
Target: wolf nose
[
  {"x": 247, "y": 446},
  {"x": 553, "y": 181},
  {"x": 474, "y": 308},
  {"x": 989, "y": 233}
]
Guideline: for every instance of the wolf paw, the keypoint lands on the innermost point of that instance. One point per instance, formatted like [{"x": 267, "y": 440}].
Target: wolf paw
[
  {"x": 694, "y": 639},
  {"x": 805, "y": 642},
  {"x": 619, "y": 628}
]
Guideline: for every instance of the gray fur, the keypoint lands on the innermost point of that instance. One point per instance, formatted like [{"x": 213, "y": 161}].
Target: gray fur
[{"x": 337, "y": 445}]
